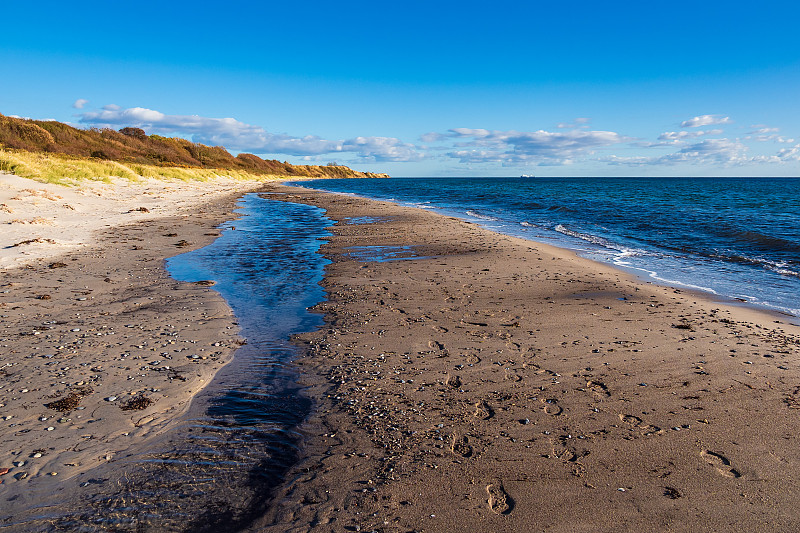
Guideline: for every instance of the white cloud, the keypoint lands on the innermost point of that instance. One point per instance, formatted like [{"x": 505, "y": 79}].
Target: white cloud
[
  {"x": 540, "y": 147},
  {"x": 723, "y": 152},
  {"x": 432, "y": 137},
  {"x": 774, "y": 138},
  {"x": 682, "y": 135},
  {"x": 79, "y": 103},
  {"x": 705, "y": 120},
  {"x": 789, "y": 154},
  {"x": 762, "y": 133},
  {"x": 237, "y": 135},
  {"x": 382, "y": 149}
]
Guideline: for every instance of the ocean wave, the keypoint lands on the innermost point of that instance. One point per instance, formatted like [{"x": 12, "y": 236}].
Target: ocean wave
[
  {"x": 600, "y": 241},
  {"x": 779, "y": 267},
  {"x": 783, "y": 271},
  {"x": 474, "y": 214},
  {"x": 758, "y": 240}
]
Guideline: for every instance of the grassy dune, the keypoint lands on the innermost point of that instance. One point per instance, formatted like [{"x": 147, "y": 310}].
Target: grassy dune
[
  {"x": 64, "y": 170},
  {"x": 45, "y": 149}
]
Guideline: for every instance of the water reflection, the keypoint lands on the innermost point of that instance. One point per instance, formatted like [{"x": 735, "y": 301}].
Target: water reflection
[{"x": 215, "y": 471}]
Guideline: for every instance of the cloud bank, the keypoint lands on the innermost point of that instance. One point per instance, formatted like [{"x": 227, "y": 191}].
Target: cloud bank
[
  {"x": 239, "y": 136},
  {"x": 519, "y": 147},
  {"x": 568, "y": 143}
]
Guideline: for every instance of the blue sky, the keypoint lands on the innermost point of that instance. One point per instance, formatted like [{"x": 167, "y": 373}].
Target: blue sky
[{"x": 428, "y": 88}]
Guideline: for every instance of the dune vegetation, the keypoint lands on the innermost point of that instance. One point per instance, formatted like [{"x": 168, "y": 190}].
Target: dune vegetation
[
  {"x": 63, "y": 170},
  {"x": 53, "y": 151}
]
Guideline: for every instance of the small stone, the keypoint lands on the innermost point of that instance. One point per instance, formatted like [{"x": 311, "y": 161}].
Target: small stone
[
  {"x": 36, "y": 455},
  {"x": 53, "y": 473},
  {"x": 75, "y": 329},
  {"x": 111, "y": 399},
  {"x": 51, "y": 428}
]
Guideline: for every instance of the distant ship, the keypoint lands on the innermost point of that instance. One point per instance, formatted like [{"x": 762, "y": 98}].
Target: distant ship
[{"x": 527, "y": 176}]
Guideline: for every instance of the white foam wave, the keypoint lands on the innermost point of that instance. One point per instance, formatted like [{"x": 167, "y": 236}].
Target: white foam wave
[
  {"x": 473, "y": 214},
  {"x": 653, "y": 274},
  {"x": 779, "y": 267},
  {"x": 600, "y": 241}
]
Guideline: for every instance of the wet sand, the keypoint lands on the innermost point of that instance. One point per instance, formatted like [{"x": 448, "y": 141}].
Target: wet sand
[{"x": 495, "y": 384}]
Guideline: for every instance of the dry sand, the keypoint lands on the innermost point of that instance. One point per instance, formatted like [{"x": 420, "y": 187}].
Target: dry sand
[
  {"x": 495, "y": 384},
  {"x": 99, "y": 347}
]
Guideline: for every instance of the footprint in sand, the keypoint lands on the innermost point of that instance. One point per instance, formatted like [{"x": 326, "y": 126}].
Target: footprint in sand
[
  {"x": 511, "y": 375},
  {"x": 453, "y": 381},
  {"x": 646, "y": 429},
  {"x": 630, "y": 419},
  {"x": 551, "y": 407},
  {"x": 598, "y": 389},
  {"x": 460, "y": 446},
  {"x": 499, "y": 501},
  {"x": 721, "y": 463},
  {"x": 483, "y": 411},
  {"x": 435, "y": 345},
  {"x": 473, "y": 359}
]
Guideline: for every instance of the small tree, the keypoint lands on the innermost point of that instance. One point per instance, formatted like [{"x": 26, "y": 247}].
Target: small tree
[{"x": 138, "y": 133}]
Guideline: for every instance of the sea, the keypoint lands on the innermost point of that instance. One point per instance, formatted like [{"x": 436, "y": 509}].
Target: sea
[{"x": 736, "y": 238}]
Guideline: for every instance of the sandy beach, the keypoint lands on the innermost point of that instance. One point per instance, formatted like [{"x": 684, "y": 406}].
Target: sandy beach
[
  {"x": 496, "y": 384},
  {"x": 100, "y": 348},
  {"x": 480, "y": 383}
]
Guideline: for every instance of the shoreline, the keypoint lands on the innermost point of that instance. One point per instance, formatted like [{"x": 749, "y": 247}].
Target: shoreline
[
  {"x": 641, "y": 272},
  {"x": 490, "y": 381}
]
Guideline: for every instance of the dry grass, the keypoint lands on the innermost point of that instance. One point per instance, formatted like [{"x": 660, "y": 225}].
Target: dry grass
[
  {"x": 64, "y": 170},
  {"x": 130, "y": 152}
]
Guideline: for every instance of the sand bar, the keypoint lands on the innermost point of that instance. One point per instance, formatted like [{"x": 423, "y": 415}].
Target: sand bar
[{"x": 496, "y": 384}]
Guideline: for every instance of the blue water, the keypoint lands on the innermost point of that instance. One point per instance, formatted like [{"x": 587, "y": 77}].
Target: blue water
[{"x": 734, "y": 237}]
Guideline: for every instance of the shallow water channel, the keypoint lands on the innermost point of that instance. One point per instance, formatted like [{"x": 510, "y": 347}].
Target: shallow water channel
[{"x": 215, "y": 471}]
